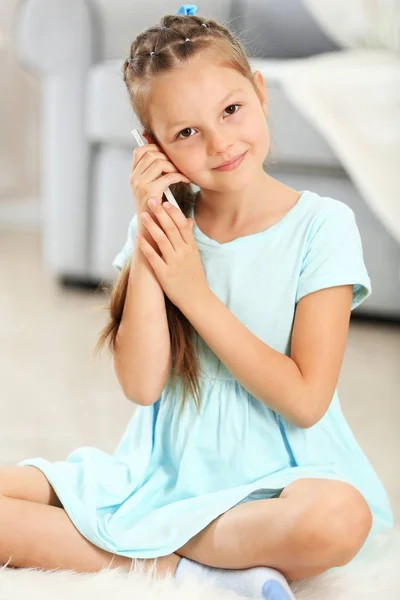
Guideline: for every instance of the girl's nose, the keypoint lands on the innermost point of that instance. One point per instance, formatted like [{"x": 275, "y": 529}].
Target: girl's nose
[{"x": 218, "y": 144}]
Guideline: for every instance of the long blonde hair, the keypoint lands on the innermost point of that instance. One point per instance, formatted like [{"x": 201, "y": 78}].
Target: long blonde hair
[{"x": 167, "y": 40}]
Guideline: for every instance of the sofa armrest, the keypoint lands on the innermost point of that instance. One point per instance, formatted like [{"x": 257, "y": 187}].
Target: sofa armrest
[
  {"x": 53, "y": 39},
  {"x": 53, "y": 35}
]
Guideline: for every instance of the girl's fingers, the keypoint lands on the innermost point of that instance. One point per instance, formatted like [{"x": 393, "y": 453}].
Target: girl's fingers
[
  {"x": 183, "y": 224},
  {"x": 154, "y": 259},
  {"x": 168, "y": 224},
  {"x": 157, "y": 234}
]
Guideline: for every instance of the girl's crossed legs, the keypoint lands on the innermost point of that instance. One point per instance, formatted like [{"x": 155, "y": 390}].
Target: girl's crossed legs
[
  {"x": 35, "y": 530},
  {"x": 314, "y": 525}
]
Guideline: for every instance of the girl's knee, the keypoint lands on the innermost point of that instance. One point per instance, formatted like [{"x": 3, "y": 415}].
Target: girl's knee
[
  {"x": 352, "y": 523},
  {"x": 333, "y": 529},
  {"x": 27, "y": 483}
]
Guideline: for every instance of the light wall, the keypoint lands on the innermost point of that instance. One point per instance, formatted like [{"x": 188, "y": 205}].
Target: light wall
[{"x": 19, "y": 119}]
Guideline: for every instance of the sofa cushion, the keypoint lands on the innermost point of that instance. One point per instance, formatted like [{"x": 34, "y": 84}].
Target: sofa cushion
[{"x": 110, "y": 118}]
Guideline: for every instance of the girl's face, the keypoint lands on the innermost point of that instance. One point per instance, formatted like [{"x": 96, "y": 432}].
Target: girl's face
[{"x": 203, "y": 115}]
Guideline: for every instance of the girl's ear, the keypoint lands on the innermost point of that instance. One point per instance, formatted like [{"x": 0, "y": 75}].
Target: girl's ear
[{"x": 148, "y": 137}]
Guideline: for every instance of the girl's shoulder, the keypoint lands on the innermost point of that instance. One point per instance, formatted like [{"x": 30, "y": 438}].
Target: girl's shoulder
[
  {"x": 330, "y": 248},
  {"x": 327, "y": 218},
  {"x": 312, "y": 214},
  {"x": 321, "y": 218},
  {"x": 320, "y": 207}
]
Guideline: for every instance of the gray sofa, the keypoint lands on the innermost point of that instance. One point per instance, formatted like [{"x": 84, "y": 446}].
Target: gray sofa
[{"x": 76, "y": 48}]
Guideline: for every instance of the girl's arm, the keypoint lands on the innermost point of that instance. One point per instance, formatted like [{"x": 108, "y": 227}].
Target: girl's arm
[
  {"x": 299, "y": 387},
  {"x": 142, "y": 357}
]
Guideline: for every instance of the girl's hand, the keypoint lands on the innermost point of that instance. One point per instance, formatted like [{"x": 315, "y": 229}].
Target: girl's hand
[
  {"x": 178, "y": 269},
  {"x": 146, "y": 179}
]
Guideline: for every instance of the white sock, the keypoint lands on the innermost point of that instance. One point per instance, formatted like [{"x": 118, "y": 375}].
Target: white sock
[{"x": 261, "y": 583}]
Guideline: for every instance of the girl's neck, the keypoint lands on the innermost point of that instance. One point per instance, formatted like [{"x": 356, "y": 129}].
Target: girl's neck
[{"x": 225, "y": 218}]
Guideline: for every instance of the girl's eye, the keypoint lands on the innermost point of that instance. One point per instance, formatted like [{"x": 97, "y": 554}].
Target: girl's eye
[
  {"x": 230, "y": 106},
  {"x": 189, "y": 128}
]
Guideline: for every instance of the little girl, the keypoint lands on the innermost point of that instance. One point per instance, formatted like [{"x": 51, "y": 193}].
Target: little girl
[{"x": 228, "y": 327}]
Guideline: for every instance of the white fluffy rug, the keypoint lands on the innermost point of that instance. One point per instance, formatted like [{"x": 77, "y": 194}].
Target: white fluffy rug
[{"x": 374, "y": 576}]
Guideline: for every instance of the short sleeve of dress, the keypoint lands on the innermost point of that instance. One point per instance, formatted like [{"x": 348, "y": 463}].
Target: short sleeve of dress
[
  {"x": 334, "y": 256},
  {"x": 126, "y": 251}
]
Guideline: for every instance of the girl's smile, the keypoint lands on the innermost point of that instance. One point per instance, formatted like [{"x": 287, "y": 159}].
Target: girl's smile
[{"x": 233, "y": 164}]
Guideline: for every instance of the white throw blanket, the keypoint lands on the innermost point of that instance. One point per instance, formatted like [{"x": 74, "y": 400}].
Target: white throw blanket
[
  {"x": 353, "y": 98},
  {"x": 374, "y": 576}
]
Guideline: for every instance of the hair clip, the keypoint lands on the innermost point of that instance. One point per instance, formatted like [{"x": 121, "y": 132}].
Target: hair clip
[{"x": 187, "y": 9}]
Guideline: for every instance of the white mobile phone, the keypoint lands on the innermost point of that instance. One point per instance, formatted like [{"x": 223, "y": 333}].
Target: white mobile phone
[{"x": 168, "y": 193}]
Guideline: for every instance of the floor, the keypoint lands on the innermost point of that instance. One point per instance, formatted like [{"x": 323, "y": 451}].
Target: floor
[{"x": 56, "y": 397}]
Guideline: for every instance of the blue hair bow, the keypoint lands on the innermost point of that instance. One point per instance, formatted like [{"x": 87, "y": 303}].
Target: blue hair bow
[{"x": 187, "y": 9}]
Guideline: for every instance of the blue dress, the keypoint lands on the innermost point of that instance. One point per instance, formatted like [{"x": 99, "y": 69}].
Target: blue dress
[{"x": 172, "y": 474}]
